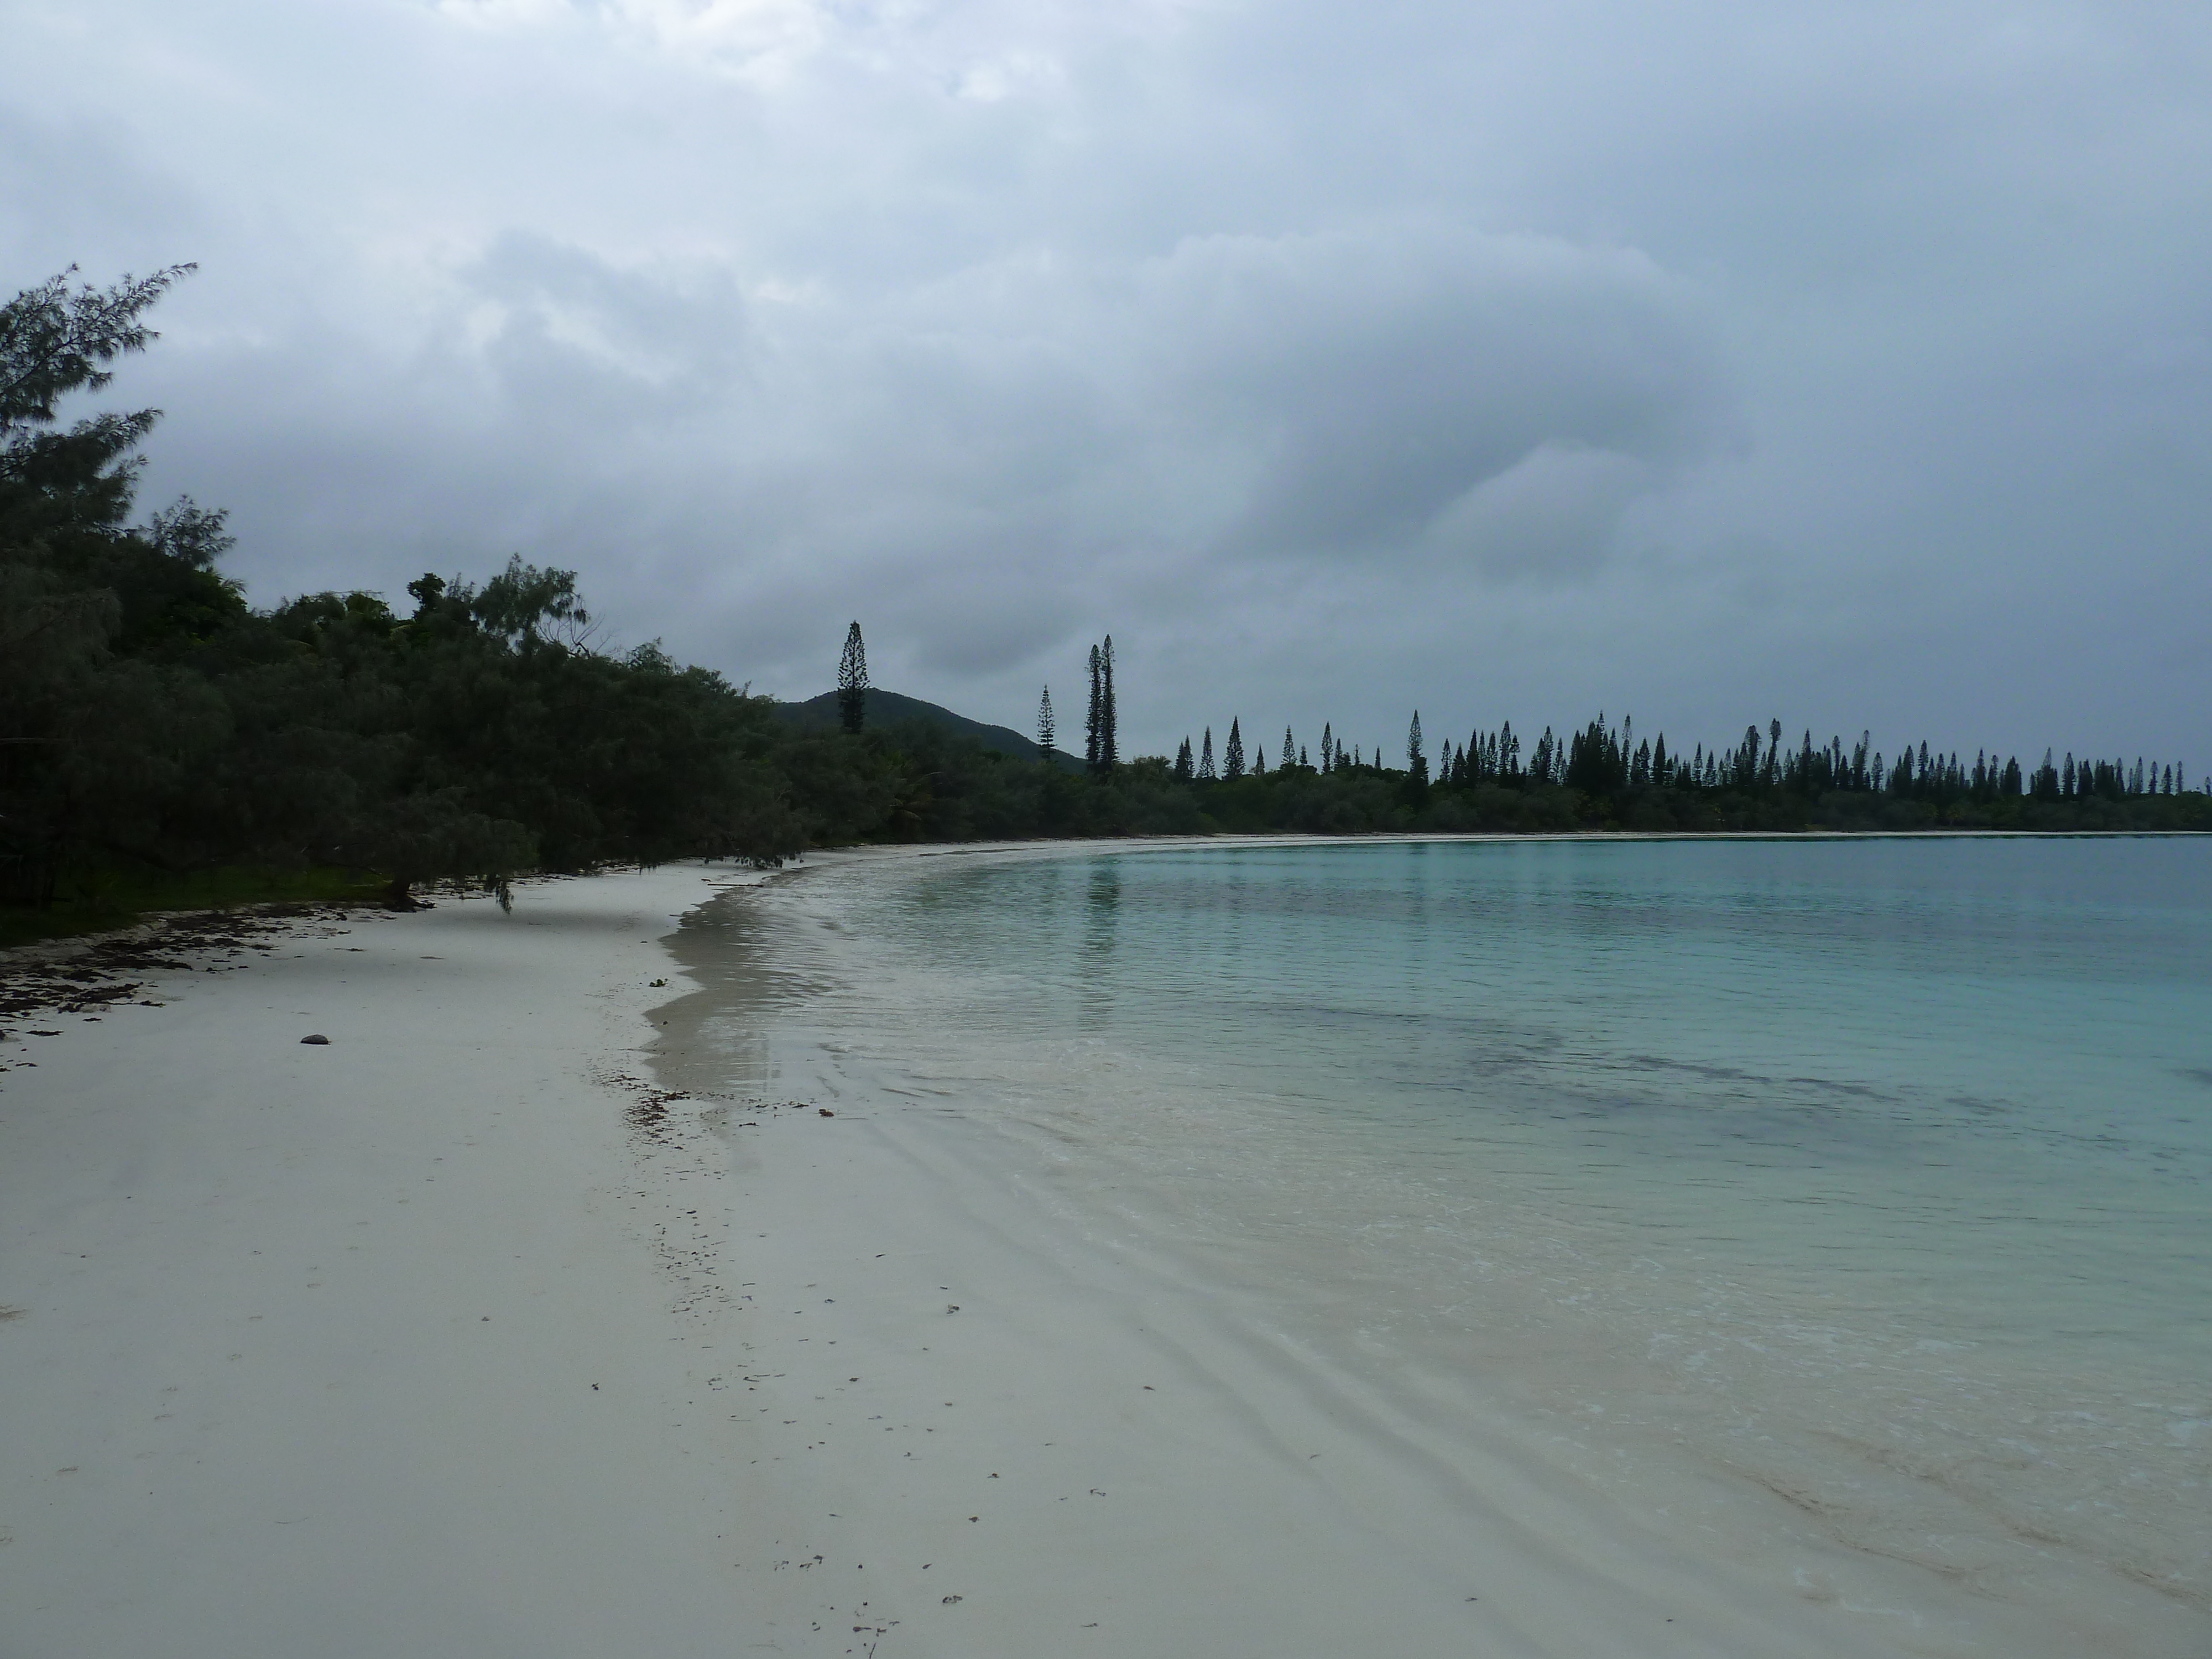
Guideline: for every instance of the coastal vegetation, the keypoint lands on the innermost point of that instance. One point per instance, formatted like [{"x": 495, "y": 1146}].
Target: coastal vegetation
[{"x": 160, "y": 738}]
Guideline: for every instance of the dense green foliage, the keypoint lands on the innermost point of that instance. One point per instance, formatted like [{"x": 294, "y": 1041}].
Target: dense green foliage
[
  {"x": 154, "y": 725},
  {"x": 150, "y": 721},
  {"x": 98, "y": 898}
]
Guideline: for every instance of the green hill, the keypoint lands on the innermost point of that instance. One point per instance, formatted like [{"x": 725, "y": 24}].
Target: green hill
[{"x": 888, "y": 708}]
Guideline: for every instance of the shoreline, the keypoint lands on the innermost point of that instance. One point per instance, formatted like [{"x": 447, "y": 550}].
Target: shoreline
[
  {"x": 505, "y": 1324},
  {"x": 301, "y": 1341},
  {"x": 153, "y": 923},
  {"x": 1764, "y": 1573}
]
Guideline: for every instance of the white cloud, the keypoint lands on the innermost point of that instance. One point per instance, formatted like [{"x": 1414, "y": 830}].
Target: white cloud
[{"x": 756, "y": 40}]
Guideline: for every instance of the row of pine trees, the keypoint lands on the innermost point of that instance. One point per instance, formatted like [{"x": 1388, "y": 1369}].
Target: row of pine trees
[{"x": 1604, "y": 760}]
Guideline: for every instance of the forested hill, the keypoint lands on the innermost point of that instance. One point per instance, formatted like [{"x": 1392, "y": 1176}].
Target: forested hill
[{"x": 887, "y": 709}]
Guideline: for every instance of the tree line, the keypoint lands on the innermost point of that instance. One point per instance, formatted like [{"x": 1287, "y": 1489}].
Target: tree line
[
  {"x": 152, "y": 721},
  {"x": 1605, "y": 763}
]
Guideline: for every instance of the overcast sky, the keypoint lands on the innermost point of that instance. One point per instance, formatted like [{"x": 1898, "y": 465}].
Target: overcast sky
[{"x": 1847, "y": 363}]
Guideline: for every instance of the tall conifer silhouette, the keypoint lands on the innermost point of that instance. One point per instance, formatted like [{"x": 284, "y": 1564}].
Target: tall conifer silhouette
[
  {"x": 1091, "y": 721},
  {"x": 1232, "y": 757},
  {"x": 853, "y": 682},
  {"x": 1045, "y": 732},
  {"x": 1205, "y": 757},
  {"x": 1109, "y": 743}
]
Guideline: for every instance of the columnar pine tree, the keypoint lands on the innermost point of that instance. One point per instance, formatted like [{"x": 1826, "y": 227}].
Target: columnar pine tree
[
  {"x": 1328, "y": 748},
  {"x": 1183, "y": 764},
  {"x": 1044, "y": 723},
  {"x": 1417, "y": 763},
  {"x": 1109, "y": 743},
  {"x": 1289, "y": 749},
  {"x": 1205, "y": 757},
  {"x": 853, "y": 682},
  {"x": 1093, "y": 720},
  {"x": 1232, "y": 757}
]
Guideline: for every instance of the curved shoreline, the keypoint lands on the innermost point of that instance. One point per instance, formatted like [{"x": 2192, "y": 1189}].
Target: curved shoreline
[
  {"x": 467, "y": 1333},
  {"x": 916, "y": 1150}
]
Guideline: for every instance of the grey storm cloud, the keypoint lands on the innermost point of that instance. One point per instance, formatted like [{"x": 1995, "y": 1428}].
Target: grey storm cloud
[
  {"x": 1848, "y": 363},
  {"x": 1398, "y": 392},
  {"x": 1390, "y": 388}
]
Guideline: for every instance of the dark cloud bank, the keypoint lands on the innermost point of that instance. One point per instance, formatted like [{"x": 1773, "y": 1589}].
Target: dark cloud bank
[{"x": 1852, "y": 366}]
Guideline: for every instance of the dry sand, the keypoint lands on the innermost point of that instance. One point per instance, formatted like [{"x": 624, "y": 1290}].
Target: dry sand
[{"x": 459, "y": 1336}]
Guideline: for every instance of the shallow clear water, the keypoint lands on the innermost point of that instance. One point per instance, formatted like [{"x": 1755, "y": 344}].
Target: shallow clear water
[{"x": 1872, "y": 1172}]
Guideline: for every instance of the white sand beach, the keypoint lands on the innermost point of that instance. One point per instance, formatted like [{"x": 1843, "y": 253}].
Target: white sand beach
[{"x": 459, "y": 1336}]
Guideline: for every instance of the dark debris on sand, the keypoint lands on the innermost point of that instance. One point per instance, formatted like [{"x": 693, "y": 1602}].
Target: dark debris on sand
[
  {"x": 84, "y": 977},
  {"x": 647, "y": 1113}
]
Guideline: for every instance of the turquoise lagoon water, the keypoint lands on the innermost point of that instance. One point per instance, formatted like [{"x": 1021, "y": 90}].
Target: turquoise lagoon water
[{"x": 1870, "y": 1172}]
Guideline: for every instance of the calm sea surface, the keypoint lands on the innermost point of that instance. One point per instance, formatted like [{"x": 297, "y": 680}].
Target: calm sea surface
[{"x": 1872, "y": 1171}]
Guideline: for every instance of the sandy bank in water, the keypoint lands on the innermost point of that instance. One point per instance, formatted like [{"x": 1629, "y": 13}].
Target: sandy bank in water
[{"x": 464, "y": 1336}]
